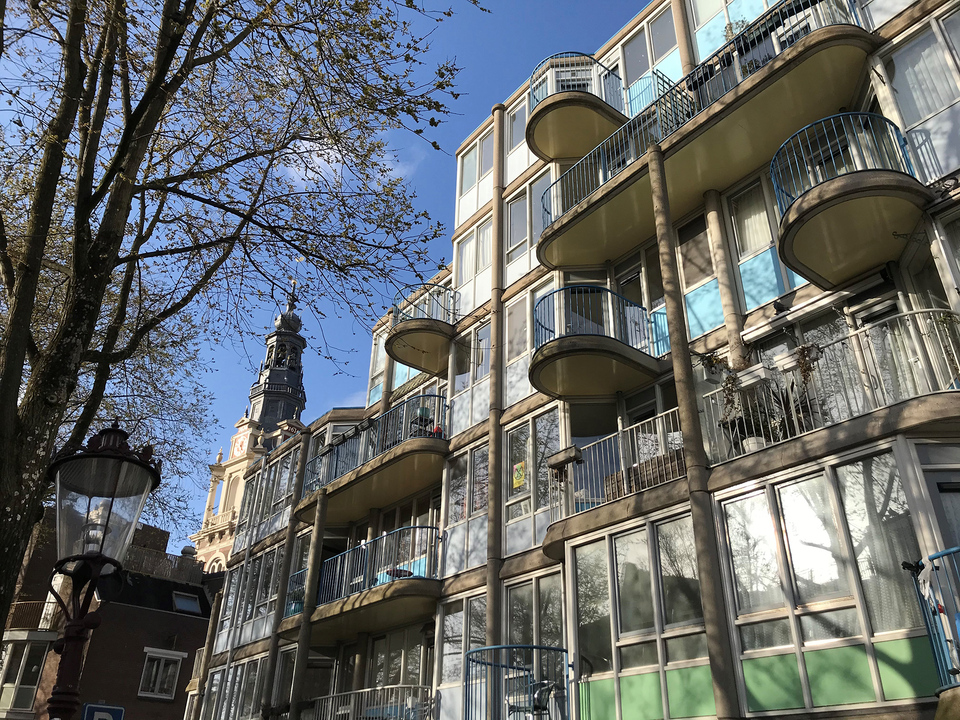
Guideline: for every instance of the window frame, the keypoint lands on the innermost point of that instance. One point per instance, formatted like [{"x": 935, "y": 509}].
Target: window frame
[
  {"x": 173, "y": 656},
  {"x": 18, "y": 683}
]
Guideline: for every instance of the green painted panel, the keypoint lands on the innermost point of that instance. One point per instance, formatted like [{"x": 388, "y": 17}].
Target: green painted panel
[
  {"x": 906, "y": 668},
  {"x": 641, "y": 697},
  {"x": 597, "y": 701},
  {"x": 690, "y": 692},
  {"x": 773, "y": 683},
  {"x": 839, "y": 676}
]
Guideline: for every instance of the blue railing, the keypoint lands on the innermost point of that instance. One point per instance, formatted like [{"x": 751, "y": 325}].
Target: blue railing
[
  {"x": 937, "y": 583},
  {"x": 430, "y": 300},
  {"x": 422, "y": 416},
  {"x": 594, "y": 310},
  {"x": 516, "y": 681},
  {"x": 764, "y": 39},
  {"x": 575, "y": 72},
  {"x": 409, "y": 552},
  {"x": 837, "y": 145}
]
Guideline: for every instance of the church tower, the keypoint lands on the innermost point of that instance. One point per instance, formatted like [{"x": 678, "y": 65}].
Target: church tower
[{"x": 278, "y": 393}]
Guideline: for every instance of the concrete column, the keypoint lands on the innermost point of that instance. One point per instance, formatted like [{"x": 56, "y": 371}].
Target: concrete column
[
  {"x": 495, "y": 437},
  {"x": 732, "y": 318},
  {"x": 373, "y": 524},
  {"x": 698, "y": 472},
  {"x": 684, "y": 29},
  {"x": 388, "y": 367},
  {"x": 360, "y": 661},
  {"x": 209, "y": 510},
  {"x": 207, "y": 651},
  {"x": 310, "y": 590},
  {"x": 273, "y": 656}
]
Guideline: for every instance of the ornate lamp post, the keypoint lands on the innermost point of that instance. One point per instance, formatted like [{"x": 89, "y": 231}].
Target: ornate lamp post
[{"x": 101, "y": 490}]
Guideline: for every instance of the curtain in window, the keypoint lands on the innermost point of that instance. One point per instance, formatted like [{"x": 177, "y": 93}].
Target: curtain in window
[
  {"x": 921, "y": 79},
  {"x": 750, "y": 221}
]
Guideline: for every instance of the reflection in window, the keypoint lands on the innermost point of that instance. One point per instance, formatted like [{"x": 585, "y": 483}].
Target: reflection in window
[
  {"x": 633, "y": 582},
  {"x": 753, "y": 550},
  {"x": 680, "y": 575},
  {"x": 593, "y": 609}
]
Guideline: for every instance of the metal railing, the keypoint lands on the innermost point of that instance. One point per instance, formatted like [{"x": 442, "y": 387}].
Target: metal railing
[
  {"x": 395, "y": 702},
  {"x": 835, "y": 146},
  {"x": 430, "y": 300},
  {"x": 631, "y": 460},
  {"x": 408, "y": 552},
  {"x": 33, "y": 615},
  {"x": 937, "y": 582},
  {"x": 575, "y": 72},
  {"x": 179, "y": 568},
  {"x": 422, "y": 416},
  {"x": 504, "y": 682},
  {"x": 593, "y": 310},
  {"x": 677, "y": 104},
  {"x": 895, "y": 359}
]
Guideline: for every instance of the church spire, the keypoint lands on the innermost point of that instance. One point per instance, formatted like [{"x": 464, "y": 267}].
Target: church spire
[{"x": 278, "y": 393}]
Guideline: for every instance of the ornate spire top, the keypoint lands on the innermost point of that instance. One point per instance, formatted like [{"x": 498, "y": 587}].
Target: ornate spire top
[
  {"x": 288, "y": 319},
  {"x": 220, "y": 456}
]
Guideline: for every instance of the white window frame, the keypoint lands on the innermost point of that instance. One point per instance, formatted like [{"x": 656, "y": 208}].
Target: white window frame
[
  {"x": 163, "y": 655},
  {"x": 17, "y": 684}
]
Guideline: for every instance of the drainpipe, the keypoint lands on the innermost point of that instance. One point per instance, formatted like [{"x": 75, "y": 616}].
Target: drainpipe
[
  {"x": 698, "y": 472},
  {"x": 732, "y": 318},
  {"x": 681, "y": 21},
  {"x": 310, "y": 590},
  {"x": 273, "y": 656},
  {"x": 207, "y": 651},
  {"x": 494, "y": 436}
]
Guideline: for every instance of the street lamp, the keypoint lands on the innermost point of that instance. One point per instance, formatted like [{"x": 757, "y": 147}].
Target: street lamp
[{"x": 101, "y": 490}]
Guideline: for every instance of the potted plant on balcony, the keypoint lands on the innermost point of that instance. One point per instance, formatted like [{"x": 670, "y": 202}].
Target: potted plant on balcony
[
  {"x": 715, "y": 368},
  {"x": 802, "y": 359}
]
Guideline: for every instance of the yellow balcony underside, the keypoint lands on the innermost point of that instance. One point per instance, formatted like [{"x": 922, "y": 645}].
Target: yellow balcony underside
[
  {"x": 735, "y": 136},
  {"x": 570, "y": 125}
]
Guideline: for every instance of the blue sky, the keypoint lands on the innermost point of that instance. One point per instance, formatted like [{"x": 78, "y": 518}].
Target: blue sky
[{"x": 496, "y": 51}]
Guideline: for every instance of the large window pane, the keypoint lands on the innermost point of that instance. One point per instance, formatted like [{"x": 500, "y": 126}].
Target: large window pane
[
  {"x": 593, "y": 608},
  {"x": 547, "y": 438},
  {"x": 520, "y": 614},
  {"x": 634, "y": 593},
  {"x": 749, "y": 211},
  {"x": 636, "y": 57},
  {"x": 662, "y": 34},
  {"x": 753, "y": 550},
  {"x": 486, "y": 154},
  {"x": 518, "y": 123},
  {"x": 695, "y": 256},
  {"x": 516, "y": 330},
  {"x": 882, "y": 533},
  {"x": 812, "y": 539},
  {"x": 484, "y": 238},
  {"x": 703, "y": 10},
  {"x": 465, "y": 269},
  {"x": 468, "y": 170},
  {"x": 517, "y": 442},
  {"x": 551, "y": 611},
  {"x": 481, "y": 479},
  {"x": 537, "y": 190},
  {"x": 679, "y": 573},
  {"x": 451, "y": 659},
  {"x": 517, "y": 230},
  {"x": 461, "y": 364},
  {"x": 457, "y": 490},
  {"x": 922, "y": 81}
]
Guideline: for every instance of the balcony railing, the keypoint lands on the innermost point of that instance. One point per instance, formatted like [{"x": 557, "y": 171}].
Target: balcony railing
[
  {"x": 432, "y": 301},
  {"x": 220, "y": 520},
  {"x": 516, "y": 681},
  {"x": 422, "y": 416},
  {"x": 634, "y": 459},
  {"x": 575, "y": 72},
  {"x": 677, "y": 104},
  {"x": 937, "y": 582},
  {"x": 594, "y": 310},
  {"x": 409, "y": 552},
  {"x": 33, "y": 615},
  {"x": 838, "y": 145},
  {"x": 396, "y": 702},
  {"x": 179, "y": 568},
  {"x": 881, "y": 364}
]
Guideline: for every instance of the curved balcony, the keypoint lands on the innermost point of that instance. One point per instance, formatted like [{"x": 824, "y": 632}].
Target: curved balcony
[
  {"x": 715, "y": 126},
  {"x": 393, "y": 579},
  {"x": 424, "y": 320},
  {"x": 848, "y": 197},
  {"x": 389, "y": 457},
  {"x": 592, "y": 342},
  {"x": 522, "y": 681},
  {"x": 575, "y": 104},
  {"x": 404, "y": 702}
]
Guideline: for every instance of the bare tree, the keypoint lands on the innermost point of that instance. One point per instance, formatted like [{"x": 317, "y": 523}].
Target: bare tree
[{"x": 163, "y": 164}]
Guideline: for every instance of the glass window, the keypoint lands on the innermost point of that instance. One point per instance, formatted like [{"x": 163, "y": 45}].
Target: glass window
[
  {"x": 812, "y": 541},
  {"x": 636, "y": 58},
  {"x": 662, "y": 34},
  {"x": 457, "y": 490},
  {"x": 750, "y": 225},
  {"x": 882, "y": 536},
  {"x": 481, "y": 479},
  {"x": 652, "y": 276},
  {"x": 703, "y": 10},
  {"x": 680, "y": 575},
  {"x": 695, "y": 259},
  {"x": 22, "y": 667},
  {"x": 551, "y": 611},
  {"x": 539, "y": 188},
  {"x": 634, "y": 593},
  {"x": 159, "y": 678},
  {"x": 753, "y": 549},
  {"x": 451, "y": 659},
  {"x": 468, "y": 170},
  {"x": 486, "y": 154},
  {"x": 546, "y": 443},
  {"x": 465, "y": 267},
  {"x": 517, "y": 232},
  {"x": 461, "y": 364},
  {"x": 516, "y": 330},
  {"x": 518, "y": 123},
  {"x": 484, "y": 238},
  {"x": 517, "y": 443},
  {"x": 520, "y": 619},
  {"x": 593, "y": 609},
  {"x": 922, "y": 80},
  {"x": 185, "y": 602},
  {"x": 483, "y": 352}
]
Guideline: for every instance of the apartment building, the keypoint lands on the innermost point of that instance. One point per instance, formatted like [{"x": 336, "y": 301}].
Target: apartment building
[{"x": 661, "y": 440}]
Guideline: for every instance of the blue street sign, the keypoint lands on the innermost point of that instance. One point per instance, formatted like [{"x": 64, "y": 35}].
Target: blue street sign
[{"x": 102, "y": 712}]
